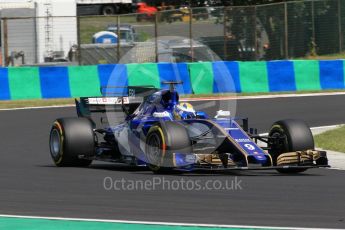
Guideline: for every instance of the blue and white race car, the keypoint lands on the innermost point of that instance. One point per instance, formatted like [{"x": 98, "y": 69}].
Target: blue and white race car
[{"x": 152, "y": 128}]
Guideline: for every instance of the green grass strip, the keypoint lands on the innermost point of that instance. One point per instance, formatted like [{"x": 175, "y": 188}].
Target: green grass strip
[
  {"x": 201, "y": 76},
  {"x": 254, "y": 77},
  {"x": 332, "y": 140},
  {"x": 84, "y": 81},
  {"x": 307, "y": 75},
  {"x": 44, "y": 224},
  {"x": 143, "y": 75},
  {"x": 24, "y": 83},
  {"x": 35, "y": 103}
]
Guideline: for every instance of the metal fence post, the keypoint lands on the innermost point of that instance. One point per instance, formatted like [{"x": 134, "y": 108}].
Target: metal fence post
[
  {"x": 256, "y": 35},
  {"x": 79, "y": 41},
  {"x": 313, "y": 20},
  {"x": 286, "y": 31},
  {"x": 340, "y": 28},
  {"x": 118, "y": 39},
  {"x": 191, "y": 33},
  {"x": 36, "y": 41},
  {"x": 156, "y": 38},
  {"x": 225, "y": 18},
  {"x": 5, "y": 31},
  {"x": 2, "y": 52}
]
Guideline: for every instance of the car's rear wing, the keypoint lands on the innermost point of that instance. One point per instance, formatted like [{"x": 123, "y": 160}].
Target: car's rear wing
[{"x": 114, "y": 99}]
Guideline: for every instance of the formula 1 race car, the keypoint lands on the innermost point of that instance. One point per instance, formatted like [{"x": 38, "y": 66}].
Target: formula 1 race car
[{"x": 144, "y": 126}]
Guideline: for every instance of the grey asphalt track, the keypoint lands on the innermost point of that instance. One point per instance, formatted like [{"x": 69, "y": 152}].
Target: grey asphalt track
[{"x": 31, "y": 185}]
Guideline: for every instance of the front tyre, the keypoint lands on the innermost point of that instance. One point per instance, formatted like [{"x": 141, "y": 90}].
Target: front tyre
[
  {"x": 296, "y": 136},
  {"x": 162, "y": 141},
  {"x": 70, "y": 138}
]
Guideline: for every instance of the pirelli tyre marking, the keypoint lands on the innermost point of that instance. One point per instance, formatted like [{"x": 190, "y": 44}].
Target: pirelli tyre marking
[{"x": 153, "y": 161}]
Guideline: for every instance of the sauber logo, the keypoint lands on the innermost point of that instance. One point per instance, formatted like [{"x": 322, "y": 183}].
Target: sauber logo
[{"x": 243, "y": 140}]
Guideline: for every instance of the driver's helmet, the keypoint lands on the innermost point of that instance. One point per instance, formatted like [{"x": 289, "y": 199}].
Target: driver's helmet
[{"x": 184, "y": 111}]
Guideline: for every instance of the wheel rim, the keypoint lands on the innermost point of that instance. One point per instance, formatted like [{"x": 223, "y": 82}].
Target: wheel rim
[
  {"x": 55, "y": 143},
  {"x": 154, "y": 150},
  {"x": 283, "y": 148}
]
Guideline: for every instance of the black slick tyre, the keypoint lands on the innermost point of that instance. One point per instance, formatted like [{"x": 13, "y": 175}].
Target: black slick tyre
[
  {"x": 69, "y": 139},
  {"x": 162, "y": 141},
  {"x": 296, "y": 135}
]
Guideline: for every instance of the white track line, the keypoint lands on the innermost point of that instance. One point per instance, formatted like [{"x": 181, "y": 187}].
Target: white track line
[
  {"x": 160, "y": 223},
  {"x": 325, "y": 127},
  {"x": 39, "y": 107},
  {"x": 272, "y": 96},
  {"x": 313, "y": 128}
]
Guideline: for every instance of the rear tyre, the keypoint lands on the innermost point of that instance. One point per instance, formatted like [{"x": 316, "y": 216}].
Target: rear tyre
[
  {"x": 297, "y": 137},
  {"x": 70, "y": 138},
  {"x": 162, "y": 141}
]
